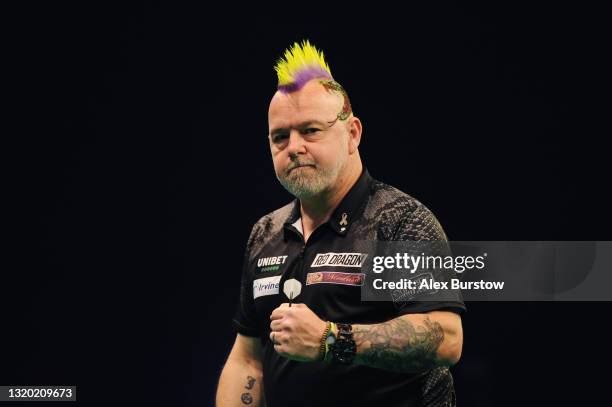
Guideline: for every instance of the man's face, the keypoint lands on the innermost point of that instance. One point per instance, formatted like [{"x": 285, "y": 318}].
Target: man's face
[{"x": 309, "y": 146}]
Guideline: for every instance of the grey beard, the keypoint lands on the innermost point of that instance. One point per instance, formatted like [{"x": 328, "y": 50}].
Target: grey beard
[
  {"x": 301, "y": 188},
  {"x": 312, "y": 185}
]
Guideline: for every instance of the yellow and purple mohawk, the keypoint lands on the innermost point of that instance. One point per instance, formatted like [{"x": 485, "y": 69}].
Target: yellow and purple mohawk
[{"x": 302, "y": 62}]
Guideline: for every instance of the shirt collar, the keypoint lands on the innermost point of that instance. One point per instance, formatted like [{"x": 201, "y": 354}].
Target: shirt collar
[{"x": 349, "y": 209}]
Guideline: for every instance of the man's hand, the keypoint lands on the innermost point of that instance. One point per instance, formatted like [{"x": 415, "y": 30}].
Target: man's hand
[{"x": 296, "y": 332}]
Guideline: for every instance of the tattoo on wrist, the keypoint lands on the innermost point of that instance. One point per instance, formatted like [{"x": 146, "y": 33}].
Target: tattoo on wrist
[
  {"x": 246, "y": 398},
  {"x": 250, "y": 382},
  {"x": 399, "y": 345}
]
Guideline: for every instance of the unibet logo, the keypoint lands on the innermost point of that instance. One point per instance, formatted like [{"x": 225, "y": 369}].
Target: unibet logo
[
  {"x": 266, "y": 286},
  {"x": 271, "y": 261},
  {"x": 339, "y": 260}
]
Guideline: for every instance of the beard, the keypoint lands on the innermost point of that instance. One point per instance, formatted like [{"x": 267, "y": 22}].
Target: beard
[{"x": 305, "y": 180}]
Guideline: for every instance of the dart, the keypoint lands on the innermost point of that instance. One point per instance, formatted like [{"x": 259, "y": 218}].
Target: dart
[{"x": 292, "y": 289}]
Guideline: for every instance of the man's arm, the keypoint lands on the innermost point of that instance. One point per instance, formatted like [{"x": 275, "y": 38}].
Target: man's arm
[
  {"x": 241, "y": 381},
  {"x": 410, "y": 343}
]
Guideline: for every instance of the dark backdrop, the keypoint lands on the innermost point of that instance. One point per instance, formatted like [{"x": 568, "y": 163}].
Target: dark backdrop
[{"x": 138, "y": 162}]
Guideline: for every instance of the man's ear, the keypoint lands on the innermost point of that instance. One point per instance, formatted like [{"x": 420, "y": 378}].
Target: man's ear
[{"x": 354, "y": 129}]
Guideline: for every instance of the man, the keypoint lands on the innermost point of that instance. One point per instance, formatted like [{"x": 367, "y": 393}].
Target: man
[{"x": 305, "y": 338}]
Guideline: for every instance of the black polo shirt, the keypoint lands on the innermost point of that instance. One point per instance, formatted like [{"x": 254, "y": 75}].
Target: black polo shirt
[{"x": 327, "y": 267}]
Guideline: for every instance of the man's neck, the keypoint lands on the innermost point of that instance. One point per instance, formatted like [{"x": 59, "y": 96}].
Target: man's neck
[{"x": 318, "y": 210}]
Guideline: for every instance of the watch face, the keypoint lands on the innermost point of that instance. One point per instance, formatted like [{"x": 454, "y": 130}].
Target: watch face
[
  {"x": 344, "y": 352},
  {"x": 330, "y": 340},
  {"x": 344, "y": 356},
  {"x": 343, "y": 349}
]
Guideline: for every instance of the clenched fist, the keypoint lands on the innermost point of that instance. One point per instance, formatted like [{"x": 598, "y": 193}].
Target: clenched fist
[{"x": 296, "y": 332}]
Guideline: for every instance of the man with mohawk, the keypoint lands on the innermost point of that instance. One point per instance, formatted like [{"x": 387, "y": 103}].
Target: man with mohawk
[{"x": 305, "y": 338}]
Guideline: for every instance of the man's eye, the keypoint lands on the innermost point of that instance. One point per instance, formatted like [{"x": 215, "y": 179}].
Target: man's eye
[
  {"x": 279, "y": 138},
  {"x": 310, "y": 130}
]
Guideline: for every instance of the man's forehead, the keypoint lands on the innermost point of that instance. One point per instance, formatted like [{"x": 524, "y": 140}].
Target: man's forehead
[
  {"x": 306, "y": 104},
  {"x": 303, "y": 112},
  {"x": 299, "y": 119}
]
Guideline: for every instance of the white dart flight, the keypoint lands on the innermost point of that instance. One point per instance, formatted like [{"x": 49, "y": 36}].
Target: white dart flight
[{"x": 292, "y": 288}]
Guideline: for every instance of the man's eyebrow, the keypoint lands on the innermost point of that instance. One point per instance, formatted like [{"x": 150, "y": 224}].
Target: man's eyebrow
[{"x": 299, "y": 126}]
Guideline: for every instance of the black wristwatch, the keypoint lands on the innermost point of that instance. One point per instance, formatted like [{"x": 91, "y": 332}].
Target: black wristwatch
[{"x": 343, "y": 349}]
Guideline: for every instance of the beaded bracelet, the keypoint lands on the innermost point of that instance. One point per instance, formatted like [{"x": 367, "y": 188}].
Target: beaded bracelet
[{"x": 323, "y": 347}]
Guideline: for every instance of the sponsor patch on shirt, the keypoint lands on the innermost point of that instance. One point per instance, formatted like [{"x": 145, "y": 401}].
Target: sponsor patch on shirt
[
  {"x": 270, "y": 263},
  {"x": 339, "y": 260},
  {"x": 266, "y": 286},
  {"x": 334, "y": 277}
]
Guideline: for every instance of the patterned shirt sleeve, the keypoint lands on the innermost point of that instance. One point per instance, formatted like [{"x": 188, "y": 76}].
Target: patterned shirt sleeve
[{"x": 420, "y": 225}]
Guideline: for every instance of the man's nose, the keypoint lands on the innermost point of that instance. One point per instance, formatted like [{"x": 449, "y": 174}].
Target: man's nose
[{"x": 296, "y": 143}]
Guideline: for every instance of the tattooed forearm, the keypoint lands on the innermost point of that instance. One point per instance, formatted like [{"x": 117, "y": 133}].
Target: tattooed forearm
[{"x": 399, "y": 345}]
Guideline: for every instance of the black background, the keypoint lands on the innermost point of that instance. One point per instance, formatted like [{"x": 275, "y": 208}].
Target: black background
[{"x": 137, "y": 161}]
